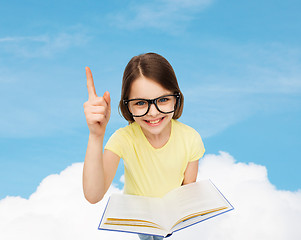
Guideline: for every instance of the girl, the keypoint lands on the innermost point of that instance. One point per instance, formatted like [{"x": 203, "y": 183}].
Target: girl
[{"x": 159, "y": 152}]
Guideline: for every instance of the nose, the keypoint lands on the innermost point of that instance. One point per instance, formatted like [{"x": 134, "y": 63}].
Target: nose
[{"x": 153, "y": 111}]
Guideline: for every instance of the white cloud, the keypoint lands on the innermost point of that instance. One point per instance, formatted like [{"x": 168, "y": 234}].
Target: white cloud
[
  {"x": 42, "y": 38},
  {"x": 45, "y": 45},
  {"x": 166, "y": 15},
  {"x": 249, "y": 79},
  {"x": 58, "y": 210},
  {"x": 261, "y": 211}
]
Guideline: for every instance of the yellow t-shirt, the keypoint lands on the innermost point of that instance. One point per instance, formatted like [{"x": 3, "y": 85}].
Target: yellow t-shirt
[{"x": 154, "y": 172}]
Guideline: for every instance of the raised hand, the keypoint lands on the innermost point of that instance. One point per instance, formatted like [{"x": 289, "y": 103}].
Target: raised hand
[{"x": 97, "y": 109}]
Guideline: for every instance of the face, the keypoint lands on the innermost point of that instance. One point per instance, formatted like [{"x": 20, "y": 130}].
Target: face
[{"x": 154, "y": 123}]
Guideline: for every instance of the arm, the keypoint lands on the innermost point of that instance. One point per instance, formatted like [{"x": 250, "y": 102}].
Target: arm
[
  {"x": 99, "y": 167},
  {"x": 191, "y": 172}
]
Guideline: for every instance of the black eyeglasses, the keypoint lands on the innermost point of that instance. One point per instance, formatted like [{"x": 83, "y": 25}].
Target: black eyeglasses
[{"x": 139, "y": 107}]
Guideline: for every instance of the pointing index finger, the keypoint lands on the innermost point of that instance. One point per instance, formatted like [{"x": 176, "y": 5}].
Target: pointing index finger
[{"x": 90, "y": 84}]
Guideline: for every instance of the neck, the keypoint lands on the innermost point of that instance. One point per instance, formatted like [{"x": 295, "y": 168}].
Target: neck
[{"x": 158, "y": 140}]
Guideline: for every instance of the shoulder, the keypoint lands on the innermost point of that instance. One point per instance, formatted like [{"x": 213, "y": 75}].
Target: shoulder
[
  {"x": 182, "y": 128},
  {"x": 126, "y": 133},
  {"x": 190, "y": 139},
  {"x": 186, "y": 133},
  {"x": 122, "y": 139},
  {"x": 130, "y": 129}
]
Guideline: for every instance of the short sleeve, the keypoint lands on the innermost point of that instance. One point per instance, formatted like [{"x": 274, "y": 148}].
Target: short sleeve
[
  {"x": 197, "y": 147},
  {"x": 115, "y": 143}
]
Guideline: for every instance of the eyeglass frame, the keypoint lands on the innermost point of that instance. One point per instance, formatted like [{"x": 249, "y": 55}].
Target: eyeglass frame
[{"x": 152, "y": 101}]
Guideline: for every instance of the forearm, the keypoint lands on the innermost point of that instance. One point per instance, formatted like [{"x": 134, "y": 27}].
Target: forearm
[
  {"x": 97, "y": 111},
  {"x": 93, "y": 172},
  {"x": 191, "y": 172}
]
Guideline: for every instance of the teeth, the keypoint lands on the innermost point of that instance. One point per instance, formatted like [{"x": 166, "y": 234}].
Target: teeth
[{"x": 153, "y": 122}]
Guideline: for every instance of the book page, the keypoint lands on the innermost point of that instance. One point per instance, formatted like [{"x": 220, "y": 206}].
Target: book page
[
  {"x": 197, "y": 219},
  {"x": 131, "y": 207},
  {"x": 180, "y": 208},
  {"x": 134, "y": 229},
  {"x": 193, "y": 199}
]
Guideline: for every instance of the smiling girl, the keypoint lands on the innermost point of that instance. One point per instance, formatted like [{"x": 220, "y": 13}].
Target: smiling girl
[{"x": 159, "y": 152}]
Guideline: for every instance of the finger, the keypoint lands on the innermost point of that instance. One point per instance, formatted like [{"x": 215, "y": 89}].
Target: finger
[
  {"x": 90, "y": 84},
  {"x": 107, "y": 98},
  {"x": 98, "y": 109},
  {"x": 98, "y": 101}
]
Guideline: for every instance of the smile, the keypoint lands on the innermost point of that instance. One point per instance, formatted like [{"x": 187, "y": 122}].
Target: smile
[{"x": 155, "y": 121}]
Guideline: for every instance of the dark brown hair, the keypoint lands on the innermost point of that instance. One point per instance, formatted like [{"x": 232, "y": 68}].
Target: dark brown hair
[{"x": 154, "y": 67}]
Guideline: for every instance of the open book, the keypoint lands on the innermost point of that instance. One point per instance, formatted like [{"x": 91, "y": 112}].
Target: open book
[{"x": 178, "y": 209}]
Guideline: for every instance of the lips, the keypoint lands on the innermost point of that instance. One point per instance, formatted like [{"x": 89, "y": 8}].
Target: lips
[{"x": 154, "y": 122}]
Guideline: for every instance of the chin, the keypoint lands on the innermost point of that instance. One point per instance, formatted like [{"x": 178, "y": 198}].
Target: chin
[{"x": 155, "y": 125}]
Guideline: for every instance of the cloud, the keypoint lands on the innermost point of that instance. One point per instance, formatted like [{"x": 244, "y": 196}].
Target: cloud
[
  {"x": 58, "y": 210},
  {"x": 261, "y": 211},
  {"x": 44, "y": 45},
  {"x": 249, "y": 79},
  {"x": 167, "y": 15}
]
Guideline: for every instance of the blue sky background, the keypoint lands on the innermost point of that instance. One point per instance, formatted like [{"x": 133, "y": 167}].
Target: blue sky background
[{"x": 238, "y": 64}]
